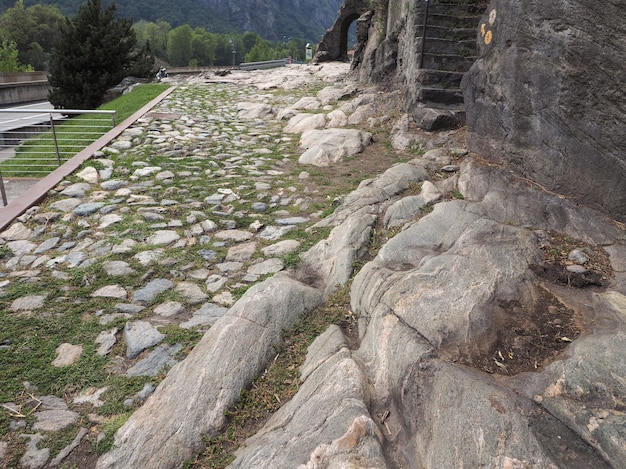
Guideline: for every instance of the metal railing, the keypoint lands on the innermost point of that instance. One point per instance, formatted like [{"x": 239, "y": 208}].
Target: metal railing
[
  {"x": 262, "y": 65},
  {"x": 33, "y": 143}
]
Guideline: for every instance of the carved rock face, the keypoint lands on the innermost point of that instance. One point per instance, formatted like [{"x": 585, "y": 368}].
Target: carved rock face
[{"x": 547, "y": 96}]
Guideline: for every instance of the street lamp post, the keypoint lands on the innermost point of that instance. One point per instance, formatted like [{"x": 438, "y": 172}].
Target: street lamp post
[{"x": 233, "y": 50}]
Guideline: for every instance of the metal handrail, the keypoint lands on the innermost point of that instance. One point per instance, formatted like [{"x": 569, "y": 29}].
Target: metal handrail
[
  {"x": 4, "y": 193},
  {"x": 40, "y": 140},
  {"x": 49, "y": 112}
]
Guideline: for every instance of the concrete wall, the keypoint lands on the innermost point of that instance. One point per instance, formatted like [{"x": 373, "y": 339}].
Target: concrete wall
[
  {"x": 22, "y": 77},
  {"x": 14, "y": 93},
  {"x": 23, "y": 87}
]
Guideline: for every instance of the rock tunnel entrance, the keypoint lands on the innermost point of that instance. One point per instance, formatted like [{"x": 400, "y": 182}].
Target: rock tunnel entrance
[
  {"x": 335, "y": 43},
  {"x": 346, "y": 30}
]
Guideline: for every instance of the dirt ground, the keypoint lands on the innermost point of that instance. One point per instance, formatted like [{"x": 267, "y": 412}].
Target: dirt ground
[{"x": 530, "y": 337}]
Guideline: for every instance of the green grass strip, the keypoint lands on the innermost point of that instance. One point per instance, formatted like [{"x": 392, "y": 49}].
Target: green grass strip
[{"x": 37, "y": 156}]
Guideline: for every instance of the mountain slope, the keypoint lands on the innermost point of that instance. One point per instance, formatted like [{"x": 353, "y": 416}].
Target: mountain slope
[{"x": 272, "y": 19}]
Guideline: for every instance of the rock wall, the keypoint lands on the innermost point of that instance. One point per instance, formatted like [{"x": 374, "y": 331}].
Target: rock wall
[{"x": 547, "y": 96}]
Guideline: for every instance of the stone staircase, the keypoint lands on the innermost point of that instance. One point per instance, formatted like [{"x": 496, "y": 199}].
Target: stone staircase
[{"x": 449, "y": 51}]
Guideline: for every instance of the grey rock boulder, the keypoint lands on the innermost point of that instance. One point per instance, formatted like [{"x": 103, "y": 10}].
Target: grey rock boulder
[
  {"x": 327, "y": 146},
  {"x": 140, "y": 335},
  {"x": 190, "y": 402},
  {"x": 327, "y": 423}
]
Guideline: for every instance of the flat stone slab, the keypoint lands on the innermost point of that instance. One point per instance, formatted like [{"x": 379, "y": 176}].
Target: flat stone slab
[
  {"x": 48, "y": 244},
  {"x": 161, "y": 356},
  {"x": 34, "y": 458},
  {"x": 169, "y": 308},
  {"x": 78, "y": 190},
  {"x": 268, "y": 266},
  {"x": 140, "y": 335},
  {"x": 54, "y": 420},
  {"x": 89, "y": 208},
  {"x": 241, "y": 252},
  {"x": 65, "y": 205},
  {"x": 234, "y": 235},
  {"x": 28, "y": 303},
  {"x": 191, "y": 292},
  {"x": 117, "y": 268},
  {"x": 149, "y": 293},
  {"x": 163, "y": 238},
  {"x": 106, "y": 340},
  {"x": 110, "y": 291},
  {"x": 67, "y": 354},
  {"x": 17, "y": 231},
  {"x": 205, "y": 316},
  {"x": 281, "y": 248},
  {"x": 327, "y": 146}
]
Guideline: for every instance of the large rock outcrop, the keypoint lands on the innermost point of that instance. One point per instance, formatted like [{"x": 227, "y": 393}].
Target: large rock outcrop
[
  {"x": 439, "y": 295},
  {"x": 547, "y": 96}
]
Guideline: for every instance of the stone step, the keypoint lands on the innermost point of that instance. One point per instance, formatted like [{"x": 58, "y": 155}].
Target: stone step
[
  {"x": 433, "y": 116},
  {"x": 449, "y": 62},
  {"x": 476, "y": 7},
  {"x": 435, "y": 45},
  {"x": 452, "y": 21},
  {"x": 439, "y": 78},
  {"x": 440, "y": 95},
  {"x": 446, "y": 32}
]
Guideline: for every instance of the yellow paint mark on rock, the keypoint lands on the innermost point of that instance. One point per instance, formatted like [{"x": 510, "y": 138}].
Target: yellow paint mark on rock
[
  {"x": 482, "y": 29},
  {"x": 488, "y": 37}
]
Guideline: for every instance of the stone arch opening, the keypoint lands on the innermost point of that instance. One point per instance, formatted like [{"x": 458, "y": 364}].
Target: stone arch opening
[
  {"x": 334, "y": 44},
  {"x": 344, "y": 45}
]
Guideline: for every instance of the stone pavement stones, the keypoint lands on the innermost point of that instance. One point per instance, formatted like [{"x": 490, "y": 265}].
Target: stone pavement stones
[
  {"x": 140, "y": 335},
  {"x": 168, "y": 219}
]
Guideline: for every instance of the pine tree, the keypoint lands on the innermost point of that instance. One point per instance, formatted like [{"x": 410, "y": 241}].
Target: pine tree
[{"x": 94, "y": 53}]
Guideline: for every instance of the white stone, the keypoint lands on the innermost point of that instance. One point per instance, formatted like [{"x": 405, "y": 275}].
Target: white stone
[
  {"x": 117, "y": 268},
  {"x": 17, "y": 231},
  {"x": 169, "y": 308},
  {"x": 215, "y": 282},
  {"x": 147, "y": 171},
  {"x": 110, "y": 291},
  {"x": 106, "y": 340},
  {"x": 303, "y": 122},
  {"x": 89, "y": 174},
  {"x": 109, "y": 219},
  {"x": 28, "y": 303},
  {"x": 163, "y": 238},
  {"x": 90, "y": 396},
  {"x": 67, "y": 354}
]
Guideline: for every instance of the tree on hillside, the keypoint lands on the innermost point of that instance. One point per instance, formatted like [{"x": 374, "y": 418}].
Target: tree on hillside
[
  {"x": 179, "y": 45},
  {"x": 33, "y": 30},
  {"x": 202, "y": 47},
  {"x": 94, "y": 52},
  {"x": 8, "y": 58},
  {"x": 261, "y": 51},
  {"x": 155, "y": 33}
]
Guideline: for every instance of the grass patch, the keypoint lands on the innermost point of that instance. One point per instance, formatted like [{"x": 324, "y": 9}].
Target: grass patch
[
  {"x": 127, "y": 104},
  {"x": 113, "y": 425}
]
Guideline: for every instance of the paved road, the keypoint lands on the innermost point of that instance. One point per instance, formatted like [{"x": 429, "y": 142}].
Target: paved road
[
  {"x": 15, "y": 187},
  {"x": 29, "y": 116}
]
